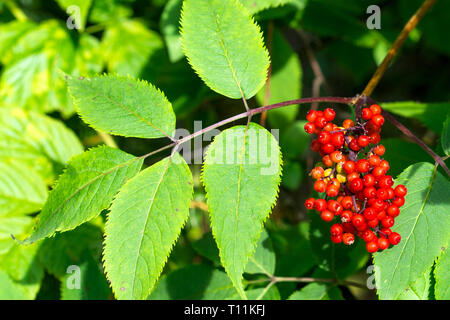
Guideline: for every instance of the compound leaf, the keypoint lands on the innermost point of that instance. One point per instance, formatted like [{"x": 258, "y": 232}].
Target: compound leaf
[
  {"x": 241, "y": 174},
  {"x": 123, "y": 106},
  {"x": 224, "y": 46},
  {"x": 87, "y": 187},
  {"x": 423, "y": 224},
  {"x": 144, "y": 222}
]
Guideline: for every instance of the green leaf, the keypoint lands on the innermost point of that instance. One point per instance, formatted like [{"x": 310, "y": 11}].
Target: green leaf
[
  {"x": 254, "y": 6},
  {"x": 82, "y": 9},
  {"x": 317, "y": 291},
  {"x": 255, "y": 294},
  {"x": 12, "y": 224},
  {"x": 263, "y": 261},
  {"x": 144, "y": 222},
  {"x": 241, "y": 175},
  {"x": 442, "y": 289},
  {"x": 430, "y": 114},
  {"x": 128, "y": 46},
  {"x": 65, "y": 249},
  {"x": 294, "y": 141},
  {"x": 92, "y": 282},
  {"x": 123, "y": 106},
  {"x": 170, "y": 28},
  {"x": 37, "y": 56},
  {"x": 224, "y": 46},
  {"x": 88, "y": 56},
  {"x": 23, "y": 268},
  {"x": 87, "y": 187},
  {"x": 30, "y": 137},
  {"x": 194, "y": 282},
  {"x": 293, "y": 175},
  {"x": 285, "y": 82},
  {"x": 419, "y": 289},
  {"x": 339, "y": 259},
  {"x": 423, "y": 224},
  {"x": 445, "y": 136},
  {"x": 22, "y": 190}
]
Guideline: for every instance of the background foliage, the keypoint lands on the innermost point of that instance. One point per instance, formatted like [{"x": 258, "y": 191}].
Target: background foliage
[{"x": 40, "y": 134}]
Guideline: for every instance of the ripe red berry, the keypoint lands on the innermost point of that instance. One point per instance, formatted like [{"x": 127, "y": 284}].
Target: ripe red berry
[
  {"x": 320, "y": 122},
  {"x": 348, "y": 238},
  {"x": 379, "y": 150},
  {"x": 394, "y": 238},
  {"x": 349, "y": 166},
  {"x": 377, "y": 120},
  {"x": 358, "y": 220},
  {"x": 310, "y": 127},
  {"x": 398, "y": 201},
  {"x": 311, "y": 115},
  {"x": 329, "y": 114},
  {"x": 356, "y": 185},
  {"x": 370, "y": 213},
  {"x": 366, "y": 114},
  {"x": 362, "y": 165},
  {"x": 336, "y": 229},
  {"x": 400, "y": 190},
  {"x": 383, "y": 243},
  {"x": 320, "y": 186},
  {"x": 348, "y": 123},
  {"x": 336, "y": 239},
  {"x": 372, "y": 246},
  {"x": 327, "y": 215},
  {"x": 376, "y": 109},
  {"x": 368, "y": 235},
  {"x": 393, "y": 211},
  {"x": 309, "y": 203},
  {"x": 388, "y": 222},
  {"x": 337, "y": 139},
  {"x": 363, "y": 141},
  {"x": 320, "y": 204}
]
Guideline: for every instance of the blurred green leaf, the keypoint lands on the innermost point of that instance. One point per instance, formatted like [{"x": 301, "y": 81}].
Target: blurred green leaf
[
  {"x": 430, "y": 114},
  {"x": 317, "y": 291},
  {"x": 194, "y": 282},
  {"x": 75, "y": 7},
  {"x": 445, "y": 136},
  {"x": 170, "y": 28},
  {"x": 292, "y": 175},
  {"x": 285, "y": 82}
]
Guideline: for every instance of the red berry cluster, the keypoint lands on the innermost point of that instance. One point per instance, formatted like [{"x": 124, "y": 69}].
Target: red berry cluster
[{"x": 354, "y": 177}]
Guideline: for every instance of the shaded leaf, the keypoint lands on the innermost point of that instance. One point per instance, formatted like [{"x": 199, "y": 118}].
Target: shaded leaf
[
  {"x": 445, "y": 136},
  {"x": 442, "y": 289},
  {"x": 170, "y": 28},
  {"x": 317, "y": 291}
]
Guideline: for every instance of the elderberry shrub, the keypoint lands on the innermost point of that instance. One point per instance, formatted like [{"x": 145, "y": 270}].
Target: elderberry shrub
[{"x": 353, "y": 176}]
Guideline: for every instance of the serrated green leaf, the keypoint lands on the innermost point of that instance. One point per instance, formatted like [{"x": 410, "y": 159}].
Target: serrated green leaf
[
  {"x": 317, "y": 291},
  {"x": 123, "y": 106},
  {"x": 430, "y": 114},
  {"x": 77, "y": 9},
  {"x": 285, "y": 82},
  {"x": 144, "y": 222},
  {"x": 339, "y": 259},
  {"x": 419, "y": 289},
  {"x": 87, "y": 187},
  {"x": 65, "y": 249},
  {"x": 30, "y": 137},
  {"x": 442, "y": 288},
  {"x": 170, "y": 28},
  {"x": 241, "y": 175},
  {"x": 423, "y": 224},
  {"x": 128, "y": 46},
  {"x": 258, "y": 294},
  {"x": 194, "y": 282},
  {"x": 224, "y": 46},
  {"x": 22, "y": 190},
  {"x": 91, "y": 285},
  {"x": 445, "y": 136}
]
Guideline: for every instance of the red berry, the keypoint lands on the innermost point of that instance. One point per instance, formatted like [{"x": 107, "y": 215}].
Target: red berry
[
  {"x": 377, "y": 120},
  {"x": 370, "y": 213},
  {"x": 363, "y": 141},
  {"x": 398, "y": 201},
  {"x": 400, "y": 190},
  {"x": 337, "y": 139},
  {"x": 376, "y": 109},
  {"x": 348, "y": 238},
  {"x": 372, "y": 246},
  {"x": 362, "y": 166},
  {"x": 336, "y": 229},
  {"x": 329, "y": 114},
  {"x": 320, "y": 122},
  {"x": 368, "y": 235},
  {"x": 327, "y": 215},
  {"x": 320, "y": 186},
  {"x": 383, "y": 243},
  {"x": 379, "y": 150},
  {"x": 366, "y": 114},
  {"x": 309, "y": 203},
  {"x": 310, "y": 127},
  {"x": 358, "y": 220},
  {"x": 311, "y": 115},
  {"x": 356, "y": 185},
  {"x": 320, "y": 204},
  {"x": 393, "y": 211},
  {"x": 336, "y": 239},
  {"x": 388, "y": 222},
  {"x": 394, "y": 238}
]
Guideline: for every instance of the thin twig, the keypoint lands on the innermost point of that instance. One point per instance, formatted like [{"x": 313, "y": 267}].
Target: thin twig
[
  {"x": 410, "y": 25},
  {"x": 15, "y": 10},
  {"x": 108, "y": 140}
]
